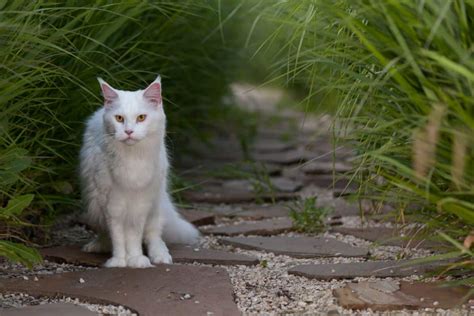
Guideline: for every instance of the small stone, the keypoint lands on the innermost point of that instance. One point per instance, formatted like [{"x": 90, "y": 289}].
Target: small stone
[
  {"x": 186, "y": 296},
  {"x": 196, "y": 302},
  {"x": 302, "y": 304},
  {"x": 196, "y": 249},
  {"x": 435, "y": 303},
  {"x": 25, "y": 278},
  {"x": 35, "y": 279},
  {"x": 167, "y": 270},
  {"x": 81, "y": 280}
]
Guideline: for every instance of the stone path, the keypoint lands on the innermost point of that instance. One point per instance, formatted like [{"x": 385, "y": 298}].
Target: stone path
[{"x": 251, "y": 259}]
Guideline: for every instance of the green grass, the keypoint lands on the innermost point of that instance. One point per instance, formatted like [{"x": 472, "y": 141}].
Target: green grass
[
  {"x": 307, "y": 217},
  {"x": 401, "y": 75},
  {"x": 52, "y": 53}
]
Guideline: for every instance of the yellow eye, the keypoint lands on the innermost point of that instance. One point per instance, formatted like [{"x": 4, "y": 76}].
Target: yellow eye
[
  {"x": 119, "y": 118},
  {"x": 141, "y": 118}
]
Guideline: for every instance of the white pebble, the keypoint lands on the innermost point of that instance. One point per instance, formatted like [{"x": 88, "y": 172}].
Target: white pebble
[{"x": 81, "y": 280}]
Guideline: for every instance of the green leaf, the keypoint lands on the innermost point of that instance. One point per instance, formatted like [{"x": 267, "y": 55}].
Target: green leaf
[
  {"x": 17, "y": 204},
  {"x": 19, "y": 253}
]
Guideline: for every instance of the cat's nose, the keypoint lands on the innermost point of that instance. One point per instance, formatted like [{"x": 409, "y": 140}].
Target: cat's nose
[{"x": 128, "y": 131}]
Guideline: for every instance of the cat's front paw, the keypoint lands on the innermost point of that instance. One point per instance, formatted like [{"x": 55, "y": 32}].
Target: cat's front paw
[
  {"x": 139, "y": 262},
  {"x": 161, "y": 255},
  {"x": 115, "y": 262}
]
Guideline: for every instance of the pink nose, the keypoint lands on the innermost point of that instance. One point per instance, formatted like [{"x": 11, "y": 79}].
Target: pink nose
[{"x": 128, "y": 132}]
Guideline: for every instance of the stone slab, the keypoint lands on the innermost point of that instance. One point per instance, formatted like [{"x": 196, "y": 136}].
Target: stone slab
[
  {"x": 266, "y": 145},
  {"x": 54, "y": 309},
  {"x": 145, "y": 291},
  {"x": 389, "y": 237},
  {"x": 286, "y": 157},
  {"x": 255, "y": 211},
  {"x": 264, "y": 227},
  {"x": 325, "y": 167},
  {"x": 179, "y": 253},
  {"x": 385, "y": 295},
  {"x": 285, "y": 185},
  {"x": 395, "y": 268},
  {"x": 298, "y": 247},
  {"x": 198, "y": 218},
  {"x": 220, "y": 195}
]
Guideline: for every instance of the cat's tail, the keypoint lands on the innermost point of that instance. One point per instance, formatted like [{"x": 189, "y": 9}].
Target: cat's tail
[{"x": 177, "y": 230}]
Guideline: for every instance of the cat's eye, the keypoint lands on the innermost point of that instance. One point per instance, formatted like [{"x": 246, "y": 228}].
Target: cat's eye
[
  {"x": 141, "y": 118},
  {"x": 119, "y": 118}
]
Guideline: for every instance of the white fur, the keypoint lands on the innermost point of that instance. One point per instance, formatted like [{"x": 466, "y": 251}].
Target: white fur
[{"x": 124, "y": 180}]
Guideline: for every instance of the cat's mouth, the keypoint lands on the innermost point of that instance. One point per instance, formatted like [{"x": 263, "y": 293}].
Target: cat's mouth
[{"x": 130, "y": 140}]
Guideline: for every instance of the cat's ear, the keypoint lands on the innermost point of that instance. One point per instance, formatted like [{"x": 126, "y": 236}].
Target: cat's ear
[
  {"x": 153, "y": 92},
  {"x": 109, "y": 93}
]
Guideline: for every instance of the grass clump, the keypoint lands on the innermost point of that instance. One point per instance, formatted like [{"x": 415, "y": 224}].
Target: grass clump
[
  {"x": 52, "y": 53},
  {"x": 307, "y": 217},
  {"x": 402, "y": 73}
]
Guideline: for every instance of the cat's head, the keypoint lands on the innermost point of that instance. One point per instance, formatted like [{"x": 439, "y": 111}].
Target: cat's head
[{"x": 131, "y": 116}]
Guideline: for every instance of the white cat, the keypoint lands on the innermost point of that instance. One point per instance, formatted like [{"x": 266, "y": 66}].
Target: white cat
[{"x": 124, "y": 168}]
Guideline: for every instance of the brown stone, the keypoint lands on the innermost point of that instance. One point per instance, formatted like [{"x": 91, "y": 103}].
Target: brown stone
[
  {"x": 298, "y": 247},
  {"x": 283, "y": 158},
  {"x": 179, "y": 253},
  {"x": 265, "y": 145},
  {"x": 387, "y": 295},
  {"x": 285, "y": 184},
  {"x": 389, "y": 237},
  {"x": 53, "y": 309},
  {"x": 325, "y": 167},
  {"x": 265, "y": 227},
  {"x": 148, "y": 292},
  {"x": 399, "y": 268},
  {"x": 198, "y": 218},
  {"x": 217, "y": 195},
  {"x": 259, "y": 211}
]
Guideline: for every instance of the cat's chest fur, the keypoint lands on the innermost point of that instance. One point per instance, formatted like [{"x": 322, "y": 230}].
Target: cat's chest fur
[{"x": 135, "y": 171}]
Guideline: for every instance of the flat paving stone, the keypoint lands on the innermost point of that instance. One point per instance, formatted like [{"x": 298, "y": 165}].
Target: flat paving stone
[
  {"x": 53, "y": 309},
  {"x": 179, "y": 253},
  {"x": 198, "y": 218},
  {"x": 218, "y": 195},
  {"x": 386, "y": 295},
  {"x": 388, "y": 237},
  {"x": 285, "y": 185},
  {"x": 286, "y": 157},
  {"x": 266, "y": 145},
  {"x": 325, "y": 167},
  {"x": 395, "y": 268},
  {"x": 298, "y": 247},
  {"x": 164, "y": 290},
  {"x": 254, "y": 211},
  {"x": 264, "y": 227}
]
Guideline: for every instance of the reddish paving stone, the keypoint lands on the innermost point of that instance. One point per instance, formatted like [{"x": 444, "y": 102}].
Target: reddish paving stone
[
  {"x": 198, "y": 218},
  {"x": 259, "y": 211},
  {"x": 265, "y": 227},
  {"x": 385, "y": 295},
  {"x": 53, "y": 309},
  {"x": 179, "y": 253},
  {"x": 285, "y": 185},
  {"x": 325, "y": 167},
  {"x": 389, "y": 237},
  {"x": 398, "y": 268},
  {"x": 298, "y": 247},
  {"x": 148, "y": 292},
  {"x": 266, "y": 145},
  {"x": 217, "y": 195},
  {"x": 286, "y": 157}
]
